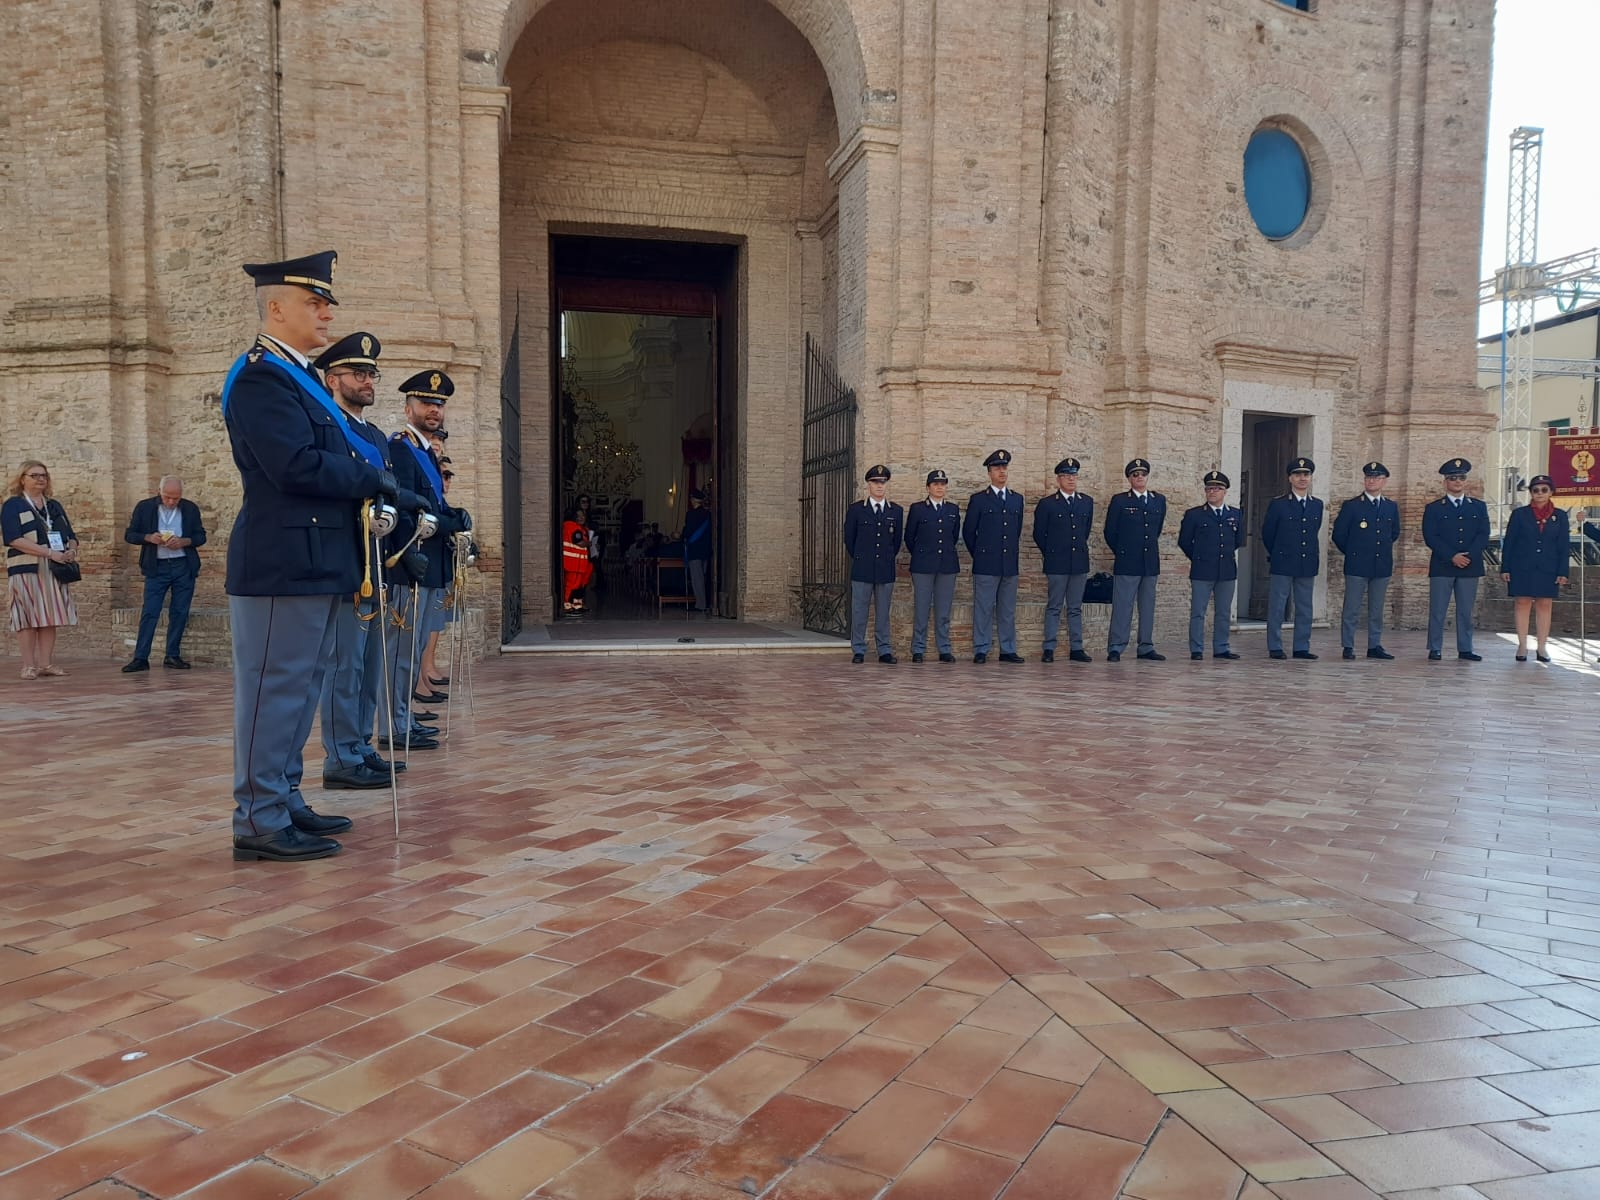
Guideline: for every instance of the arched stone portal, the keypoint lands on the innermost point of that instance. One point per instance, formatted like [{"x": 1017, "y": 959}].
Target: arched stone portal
[{"x": 678, "y": 124}]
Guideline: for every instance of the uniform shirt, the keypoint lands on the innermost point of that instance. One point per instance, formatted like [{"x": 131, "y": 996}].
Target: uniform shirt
[
  {"x": 1133, "y": 531},
  {"x": 932, "y": 530},
  {"x": 1450, "y": 528},
  {"x": 1292, "y": 534},
  {"x": 872, "y": 537},
  {"x": 992, "y": 531},
  {"x": 1210, "y": 537},
  {"x": 1365, "y": 532},
  {"x": 1061, "y": 529}
]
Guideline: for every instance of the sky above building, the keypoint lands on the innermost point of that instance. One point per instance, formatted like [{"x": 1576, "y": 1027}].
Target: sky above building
[{"x": 1543, "y": 77}]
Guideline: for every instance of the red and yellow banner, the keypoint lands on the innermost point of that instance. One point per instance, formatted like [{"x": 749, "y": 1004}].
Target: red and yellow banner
[{"x": 1575, "y": 463}]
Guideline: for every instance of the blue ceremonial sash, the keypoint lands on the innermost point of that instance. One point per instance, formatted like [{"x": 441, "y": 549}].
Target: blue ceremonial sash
[
  {"x": 425, "y": 461},
  {"x": 310, "y": 385}
]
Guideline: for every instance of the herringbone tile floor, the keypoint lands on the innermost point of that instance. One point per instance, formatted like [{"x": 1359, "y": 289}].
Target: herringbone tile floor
[{"x": 721, "y": 926}]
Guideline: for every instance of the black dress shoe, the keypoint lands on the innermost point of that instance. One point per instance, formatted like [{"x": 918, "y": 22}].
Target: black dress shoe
[
  {"x": 354, "y": 778},
  {"x": 376, "y": 762},
  {"x": 858, "y": 658},
  {"x": 1047, "y": 656},
  {"x": 424, "y": 716},
  {"x": 173, "y": 663},
  {"x": 1522, "y": 658},
  {"x": 1225, "y": 654},
  {"x": 417, "y": 743},
  {"x": 1378, "y": 652},
  {"x": 1080, "y": 656},
  {"x": 1349, "y": 654},
  {"x": 1012, "y": 658},
  {"x": 916, "y": 658},
  {"x": 1276, "y": 654},
  {"x": 947, "y": 658},
  {"x": 137, "y": 664},
  {"x": 318, "y": 825},
  {"x": 888, "y": 659},
  {"x": 1306, "y": 655},
  {"x": 1153, "y": 656},
  {"x": 286, "y": 845},
  {"x": 1471, "y": 657},
  {"x": 1544, "y": 658},
  {"x": 430, "y": 698},
  {"x": 1195, "y": 656},
  {"x": 1434, "y": 656},
  {"x": 1113, "y": 655},
  {"x": 437, "y": 682},
  {"x": 980, "y": 658}
]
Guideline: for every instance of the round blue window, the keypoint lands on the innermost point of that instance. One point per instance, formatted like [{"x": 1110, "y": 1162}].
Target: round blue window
[{"x": 1277, "y": 182}]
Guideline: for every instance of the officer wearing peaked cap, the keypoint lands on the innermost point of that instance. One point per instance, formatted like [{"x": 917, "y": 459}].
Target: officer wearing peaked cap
[
  {"x": 417, "y": 595},
  {"x": 1210, "y": 536},
  {"x": 933, "y": 526},
  {"x": 1365, "y": 532},
  {"x": 1133, "y": 531},
  {"x": 295, "y": 554},
  {"x": 993, "y": 534},
  {"x": 1456, "y": 530},
  {"x": 353, "y": 676},
  {"x": 1292, "y": 535},
  {"x": 873, "y": 530},
  {"x": 1062, "y": 522}
]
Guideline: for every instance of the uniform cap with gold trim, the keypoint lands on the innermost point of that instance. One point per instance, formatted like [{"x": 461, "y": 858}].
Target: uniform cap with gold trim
[
  {"x": 1456, "y": 466},
  {"x": 433, "y": 386},
  {"x": 1301, "y": 463},
  {"x": 1000, "y": 458},
  {"x": 938, "y": 476},
  {"x": 1374, "y": 469},
  {"x": 878, "y": 474},
  {"x": 353, "y": 350},
  {"x": 1217, "y": 478},
  {"x": 314, "y": 272},
  {"x": 1136, "y": 464},
  {"x": 1068, "y": 466}
]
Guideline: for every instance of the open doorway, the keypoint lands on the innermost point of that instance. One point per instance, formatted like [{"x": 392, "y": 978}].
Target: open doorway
[
  {"x": 645, "y": 380},
  {"x": 1269, "y": 443}
]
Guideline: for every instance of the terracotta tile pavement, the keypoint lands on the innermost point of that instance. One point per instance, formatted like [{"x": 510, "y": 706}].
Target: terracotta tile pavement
[{"x": 744, "y": 925}]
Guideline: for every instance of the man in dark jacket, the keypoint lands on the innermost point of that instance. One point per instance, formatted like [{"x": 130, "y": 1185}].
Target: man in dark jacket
[
  {"x": 933, "y": 526},
  {"x": 1210, "y": 537},
  {"x": 1456, "y": 530},
  {"x": 168, "y": 532},
  {"x": 1365, "y": 531},
  {"x": 697, "y": 548},
  {"x": 1061, "y": 525},
  {"x": 1292, "y": 535},
  {"x": 873, "y": 529},
  {"x": 1133, "y": 531},
  {"x": 993, "y": 534}
]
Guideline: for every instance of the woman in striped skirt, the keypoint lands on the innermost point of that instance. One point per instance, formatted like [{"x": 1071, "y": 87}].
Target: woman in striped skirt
[{"x": 36, "y": 532}]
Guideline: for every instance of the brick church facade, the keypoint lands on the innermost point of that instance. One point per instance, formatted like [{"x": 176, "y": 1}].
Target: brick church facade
[{"x": 1017, "y": 223}]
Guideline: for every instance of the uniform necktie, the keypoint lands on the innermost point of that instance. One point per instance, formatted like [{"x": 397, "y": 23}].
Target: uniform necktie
[
  {"x": 1002, "y": 495},
  {"x": 1144, "y": 498},
  {"x": 877, "y": 509},
  {"x": 1456, "y": 502}
]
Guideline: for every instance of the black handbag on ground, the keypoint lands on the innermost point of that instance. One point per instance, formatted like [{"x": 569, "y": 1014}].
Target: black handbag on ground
[{"x": 1098, "y": 589}]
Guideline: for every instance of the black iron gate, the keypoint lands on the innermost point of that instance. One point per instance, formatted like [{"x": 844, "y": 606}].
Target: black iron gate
[
  {"x": 827, "y": 484},
  {"x": 511, "y": 485}
]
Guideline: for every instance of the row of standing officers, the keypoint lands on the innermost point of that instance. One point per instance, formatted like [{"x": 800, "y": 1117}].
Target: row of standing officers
[{"x": 1455, "y": 528}]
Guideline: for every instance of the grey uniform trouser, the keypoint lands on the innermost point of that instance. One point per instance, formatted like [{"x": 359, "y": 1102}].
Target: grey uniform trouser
[
  {"x": 1201, "y": 594},
  {"x": 1441, "y": 588},
  {"x": 1361, "y": 591},
  {"x": 1278, "y": 603},
  {"x": 994, "y": 600},
  {"x": 935, "y": 594},
  {"x": 1125, "y": 590},
  {"x": 697, "y": 580},
  {"x": 1064, "y": 590},
  {"x": 350, "y": 691},
  {"x": 403, "y": 667},
  {"x": 878, "y": 596},
  {"x": 280, "y": 645}
]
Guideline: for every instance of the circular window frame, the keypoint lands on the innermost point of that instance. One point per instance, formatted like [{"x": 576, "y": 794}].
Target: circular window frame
[{"x": 1319, "y": 169}]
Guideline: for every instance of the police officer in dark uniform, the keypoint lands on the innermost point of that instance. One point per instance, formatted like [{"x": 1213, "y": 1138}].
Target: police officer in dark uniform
[
  {"x": 1061, "y": 525},
  {"x": 1133, "y": 530},
  {"x": 354, "y": 676},
  {"x": 1365, "y": 531},
  {"x": 933, "y": 526},
  {"x": 993, "y": 534},
  {"x": 1210, "y": 536},
  {"x": 295, "y": 554},
  {"x": 873, "y": 530},
  {"x": 418, "y": 594},
  {"x": 1292, "y": 535},
  {"x": 1456, "y": 530}
]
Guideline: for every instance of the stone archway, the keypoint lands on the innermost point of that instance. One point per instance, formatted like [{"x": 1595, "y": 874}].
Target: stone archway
[{"x": 713, "y": 121}]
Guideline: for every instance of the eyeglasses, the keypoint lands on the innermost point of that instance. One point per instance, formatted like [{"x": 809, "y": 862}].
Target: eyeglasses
[
  {"x": 1455, "y": 478},
  {"x": 1215, "y": 487},
  {"x": 1137, "y": 474},
  {"x": 37, "y": 475},
  {"x": 363, "y": 373},
  {"x": 449, "y": 474},
  {"x": 1536, "y": 491}
]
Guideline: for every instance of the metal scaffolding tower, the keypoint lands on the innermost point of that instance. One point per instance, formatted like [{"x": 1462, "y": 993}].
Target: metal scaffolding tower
[{"x": 1519, "y": 286}]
